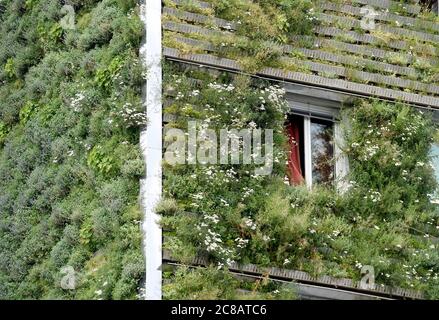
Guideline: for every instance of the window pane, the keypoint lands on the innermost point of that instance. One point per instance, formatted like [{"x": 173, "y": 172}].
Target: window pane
[
  {"x": 434, "y": 153},
  {"x": 322, "y": 152},
  {"x": 431, "y": 5},
  {"x": 435, "y": 159}
]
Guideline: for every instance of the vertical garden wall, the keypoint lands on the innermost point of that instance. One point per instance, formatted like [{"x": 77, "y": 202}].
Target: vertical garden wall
[
  {"x": 386, "y": 219},
  {"x": 70, "y": 107},
  {"x": 70, "y": 162},
  {"x": 228, "y": 214}
]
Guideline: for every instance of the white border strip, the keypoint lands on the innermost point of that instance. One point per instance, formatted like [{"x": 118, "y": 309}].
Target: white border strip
[{"x": 151, "y": 144}]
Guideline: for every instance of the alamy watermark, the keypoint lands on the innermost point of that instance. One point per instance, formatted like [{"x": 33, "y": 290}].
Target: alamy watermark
[
  {"x": 228, "y": 146},
  {"x": 68, "y": 282},
  {"x": 369, "y": 17},
  {"x": 367, "y": 281},
  {"x": 68, "y": 20}
]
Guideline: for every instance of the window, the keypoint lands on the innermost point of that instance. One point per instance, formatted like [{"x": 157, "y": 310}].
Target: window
[
  {"x": 434, "y": 153},
  {"x": 311, "y": 157},
  {"x": 431, "y": 5},
  {"x": 435, "y": 159},
  {"x": 322, "y": 151}
]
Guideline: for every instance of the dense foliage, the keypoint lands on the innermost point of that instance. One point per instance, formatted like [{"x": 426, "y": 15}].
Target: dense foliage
[
  {"x": 70, "y": 164},
  {"x": 227, "y": 213},
  {"x": 69, "y": 159}
]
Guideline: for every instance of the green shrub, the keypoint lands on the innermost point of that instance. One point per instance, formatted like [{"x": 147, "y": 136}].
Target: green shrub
[
  {"x": 3, "y": 132},
  {"x": 54, "y": 176},
  {"x": 100, "y": 162},
  {"x": 10, "y": 68},
  {"x": 26, "y": 111}
]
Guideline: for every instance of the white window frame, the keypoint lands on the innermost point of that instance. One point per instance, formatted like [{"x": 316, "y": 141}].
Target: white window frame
[
  {"x": 435, "y": 7},
  {"x": 341, "y": 159},
  {"x": 307, "y": 149},
  {"x": 341, "y": 163}
]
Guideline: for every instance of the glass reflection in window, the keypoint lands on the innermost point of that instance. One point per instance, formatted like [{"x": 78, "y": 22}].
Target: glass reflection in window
[{"x": 322, "y": 151}]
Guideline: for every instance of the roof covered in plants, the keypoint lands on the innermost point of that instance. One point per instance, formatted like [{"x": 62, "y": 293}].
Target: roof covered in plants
[{"x": 386, "y": 49}]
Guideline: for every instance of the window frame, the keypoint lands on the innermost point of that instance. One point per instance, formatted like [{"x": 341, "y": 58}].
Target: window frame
[
  {"x": 434, "y": 6},
  {"x": 324, "y": 104},
  {"x": 308, "y": 151},
  {"x": 341, "y": 164}
]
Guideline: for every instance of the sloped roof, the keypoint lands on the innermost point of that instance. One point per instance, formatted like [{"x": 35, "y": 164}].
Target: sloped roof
[{"x": 396, "y": 60}]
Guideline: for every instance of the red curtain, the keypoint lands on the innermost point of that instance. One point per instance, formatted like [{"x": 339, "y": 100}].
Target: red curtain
[{"x": 294, "y": 167}]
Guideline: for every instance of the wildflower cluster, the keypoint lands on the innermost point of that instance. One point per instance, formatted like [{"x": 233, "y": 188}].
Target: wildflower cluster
[{"x": 131, "y": 116}]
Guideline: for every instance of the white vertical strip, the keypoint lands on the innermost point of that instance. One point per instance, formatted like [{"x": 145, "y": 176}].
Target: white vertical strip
[
  {"x": 341, "y": 160},
  {"x": 308, "y": 155},
  {"x": 151, "y": 144}
]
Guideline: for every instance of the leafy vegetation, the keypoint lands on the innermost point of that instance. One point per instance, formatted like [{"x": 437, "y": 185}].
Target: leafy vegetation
[{"x": 69, "y": 164}]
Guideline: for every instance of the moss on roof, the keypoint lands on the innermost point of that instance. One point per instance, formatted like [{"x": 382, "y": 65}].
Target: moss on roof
[{"x": 390, "y": 49}]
